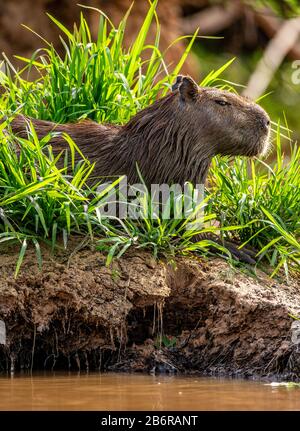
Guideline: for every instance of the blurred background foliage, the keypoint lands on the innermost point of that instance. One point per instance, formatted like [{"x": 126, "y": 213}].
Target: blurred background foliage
[
  {"x": 285, "y": 8},
  {"x": 243, "y": 29}
]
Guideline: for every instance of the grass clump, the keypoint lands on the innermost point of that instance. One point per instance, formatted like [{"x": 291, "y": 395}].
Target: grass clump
[
  {"x": 38, "y": 200},
  {"x": 97, "y": 79},
  {"x": 265, "y": 200}
]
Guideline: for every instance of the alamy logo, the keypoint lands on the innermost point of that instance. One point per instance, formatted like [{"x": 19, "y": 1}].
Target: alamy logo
[
  {"x": 120, "y": 200},
  {"x": 296, "y": 73}
]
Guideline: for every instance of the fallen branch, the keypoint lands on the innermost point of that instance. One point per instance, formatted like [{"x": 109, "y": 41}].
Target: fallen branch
[
  {"x": 270, "y": 24},
  {"x": 213, "y": 19}
]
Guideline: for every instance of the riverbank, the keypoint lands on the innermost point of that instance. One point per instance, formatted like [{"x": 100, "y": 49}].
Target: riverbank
[{"x": 188, "y": 316}]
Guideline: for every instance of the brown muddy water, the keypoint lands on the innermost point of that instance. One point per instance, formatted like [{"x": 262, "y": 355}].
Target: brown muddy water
[{"x": 94, "y": 391}]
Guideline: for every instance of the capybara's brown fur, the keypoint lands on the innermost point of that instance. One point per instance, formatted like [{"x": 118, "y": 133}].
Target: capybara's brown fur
[{"x": 173, "y": 140}]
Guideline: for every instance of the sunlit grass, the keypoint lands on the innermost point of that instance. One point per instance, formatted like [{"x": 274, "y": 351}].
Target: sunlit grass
[
  {"x": 98, "y": 79},
  {"x": 265, "y": 200}
]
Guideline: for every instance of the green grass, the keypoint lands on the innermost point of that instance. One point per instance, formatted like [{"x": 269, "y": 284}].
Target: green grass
[
  {"x": 265, "y": 200},
  {"x": 94, "y": 79},
  {"x": 39, "y": 202}
]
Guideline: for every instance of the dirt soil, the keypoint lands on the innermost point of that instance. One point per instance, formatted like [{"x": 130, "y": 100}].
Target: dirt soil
[{"x": 189, "y": 316}]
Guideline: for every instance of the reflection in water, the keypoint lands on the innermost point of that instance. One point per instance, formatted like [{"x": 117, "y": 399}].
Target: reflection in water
[{"x": 61, "y": 391}]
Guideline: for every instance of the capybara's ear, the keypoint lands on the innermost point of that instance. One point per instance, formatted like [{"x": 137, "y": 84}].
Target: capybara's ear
[
  {"x": 177, "y": 82},
  {"x": 188, "y": 89}
]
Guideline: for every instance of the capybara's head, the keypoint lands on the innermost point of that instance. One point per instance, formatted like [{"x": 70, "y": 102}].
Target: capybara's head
[{"x": 220, "y": 121}]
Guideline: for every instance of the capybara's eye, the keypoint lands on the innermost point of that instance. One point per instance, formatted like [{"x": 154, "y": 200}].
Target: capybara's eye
[{"x": 222, "y": 102}]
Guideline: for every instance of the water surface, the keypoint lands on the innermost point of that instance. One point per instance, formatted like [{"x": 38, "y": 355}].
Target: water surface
[{"x": 94, "y": 391}]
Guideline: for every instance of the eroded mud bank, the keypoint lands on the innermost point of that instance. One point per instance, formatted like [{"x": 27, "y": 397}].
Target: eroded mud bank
[{"x": 77, "y": 313}]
